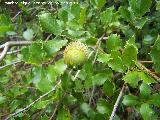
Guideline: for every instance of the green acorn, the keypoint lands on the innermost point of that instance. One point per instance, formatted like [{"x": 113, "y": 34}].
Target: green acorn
[{"x": 75, "y": 54}]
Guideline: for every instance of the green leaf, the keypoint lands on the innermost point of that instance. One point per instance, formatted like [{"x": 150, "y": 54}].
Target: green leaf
[
  {"x": 63, "y": 15},
  {"x": 100, "y": 3},
  {"x": 70, "y": 100},
  {"x": 128, "y": 58},
  {"x": 106, "y": 16},
  {"x": 60, "y": 67},
  {"x": 78, "y": 86},
  {"x": 33, "y": 54},
  {"x": 113, "y": 42},
  {"x": 148, "y": 40},
  {"x": 43, "y": 78},
  {"x": 104, "y": 58},
  {"x": 91, "y": 41},
  {"x": 52, "y": 46},
  {"x": 132, "y": 41},
  {"x": 139, "y": 23},
  {"x": 146, "y": 78},
  {"x": 76, "y": 10},
  {"x": 49, "y": 23},
  {"x": 116, "y": 62},
  {"x": 2, "y": 99},
  {"x": 28, "y": 34},
  {"x": 42, "y": 104},
  {"x": 85, "y": 108},
  {"x": 5, "y": 24},
  {"x": 52, "y": 74},
  {"x": 145, "y": 90},
  {"x": 40, "y": 80},
  {"x": 155, "y": 55},
  {"x": 130, "y": 100},
  {"x": 40, "y": 51},
  {"x": 87, "y": 73},
  {"x": 103, "y": 107},
  {"x": 125, "y": 13},
  {"x": 132, "y": 78},
  {"x": 140, "y": 7},
  {"x": 158, "y": 5},
  {"x": 63, "y": 114},
  {"x": 155, "y": 99},
  {"x": 82, "y": 16},
  {"x": 146, "y": 112},
  {"x": 108, "y": 88},
  {"x": 100, "y": 78}
]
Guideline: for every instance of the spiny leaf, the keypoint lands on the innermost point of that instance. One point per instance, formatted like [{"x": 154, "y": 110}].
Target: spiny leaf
[
  {"x": 49, "y": 23},
  {"x": 113, "y": 42},
  {"x": 140, "y": 7},
  {"x": 155, "y": 54},
  {"x": 129, "y": 56}
]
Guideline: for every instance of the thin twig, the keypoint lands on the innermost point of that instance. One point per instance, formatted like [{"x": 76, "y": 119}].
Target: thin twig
[
  {"x": 98, "y": 44},
  {"x": 48, "y": 37},
  {"x": 75, "y": 77},
  {"x": 149, "y": 72},
  {"x": 116, "y": 103},
  {"x": 54, "y": 112},
  {"x": 97, "y": 47},
  {"x": 30, "y": 105},
  {"x": 13, "y": 52},
  {"x": 146, "y": 61},
  {"x": 12, "y": 43},
  {"x": 90, "y": 100},
  {"x": 95, "y": 57},
  {"x": 19, "y": 12},
  {"x": 2, "y": 67}
]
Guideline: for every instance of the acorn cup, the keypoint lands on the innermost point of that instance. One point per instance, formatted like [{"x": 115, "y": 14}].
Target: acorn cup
[{"x": 75, "y": 54}]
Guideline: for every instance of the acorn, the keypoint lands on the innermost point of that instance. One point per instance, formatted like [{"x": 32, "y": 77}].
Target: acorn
[{"x": 75, "y": 54}]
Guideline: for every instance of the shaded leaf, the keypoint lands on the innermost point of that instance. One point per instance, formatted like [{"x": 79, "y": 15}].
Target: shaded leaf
[
  {"x": 103, "y": 107},
  {"x": 108, "y": 88},
  {"x": 140, "y": 7},
  {"x": 63, "y": 114},
  {"x": 145, "y": 90},
  {"x": 28, "y": 34},
  {"x": 130, "y": 100}
]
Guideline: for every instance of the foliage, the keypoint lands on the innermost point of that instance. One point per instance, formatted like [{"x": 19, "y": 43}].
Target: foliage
[{"x": 121, "y": 35}]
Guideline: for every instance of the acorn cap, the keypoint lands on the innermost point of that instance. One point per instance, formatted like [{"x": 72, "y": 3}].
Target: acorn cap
[{"x": 75, "y": 54}]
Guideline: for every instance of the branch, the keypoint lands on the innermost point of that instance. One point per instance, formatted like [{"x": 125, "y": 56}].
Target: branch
[
  {"x": 116, "y": 103},
  {"x": 142, "y": 67},
  {"x": 12, "y": 43},
  {"x": 30, "y": 105}
]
